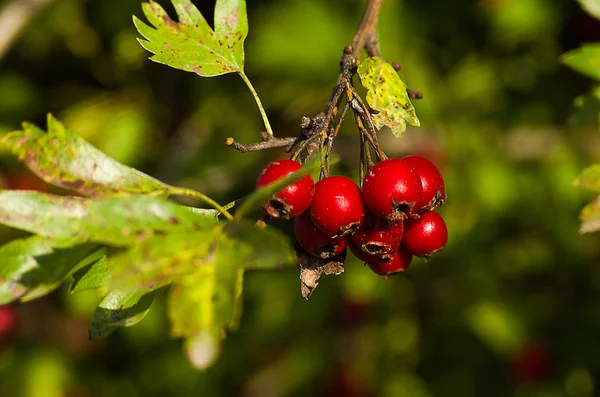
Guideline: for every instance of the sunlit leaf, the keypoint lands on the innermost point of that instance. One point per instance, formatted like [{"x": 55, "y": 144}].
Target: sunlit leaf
[
  {"x": 191, "y": 44},
  {"x": 119, "y": 309},
  {"x": 92, "y": 274},
  {"x": 585, "y": 60},
  {"x": 592, "y": 7},
  {"x": 34, "y": 266},
  {"x": 590, "y": 217},
  {"x": 590, "y": 178},
  {"x": 116, "y": 220},
  {"x": 386, "y": 95},
  {"x": 63, "y": 159},
  {"x": 158, "y": 260}
]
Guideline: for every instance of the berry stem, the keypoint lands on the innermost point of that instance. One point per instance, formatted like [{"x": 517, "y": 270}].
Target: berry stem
[
  {"x": 181, "y": 191},
  {"x": 258, "y": 102}
]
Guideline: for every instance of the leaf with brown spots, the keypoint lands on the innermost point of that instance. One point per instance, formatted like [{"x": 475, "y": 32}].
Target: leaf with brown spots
[
  {"x": 386, "y": 95},
  {"x": 114, "y": 220},
  {"x": 191, "y": 44},
  {"x": 63, "y": 159}
]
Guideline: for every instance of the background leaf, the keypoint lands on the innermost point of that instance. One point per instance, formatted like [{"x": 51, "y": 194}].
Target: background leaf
[
  {"x": 592, "y": 7},
  {"x": 191, "y": 44},
  {"x": 119, "y": 309},
  {"x": 63, "y": 159},
  {"x": 585, "y": 60},
  {"x": 386, "y": 95},
  {"x": 590, "y": 178},
  {"x": 590, "y": 217},
  {"x": 116, "y": 220}
]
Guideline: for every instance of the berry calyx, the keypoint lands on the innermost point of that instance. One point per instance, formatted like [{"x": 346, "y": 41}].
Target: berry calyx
[
  {"x": 337, "y": 207},
  {"x": 378, "y": 237},
  {"x": 314, "y": 241},
  {"x": 392, "y": 189},
  {"x": 292, "y": 199},
  {"x": 432, "y": 182},
  {"x": 426, "y": 235},
  {"x": 396, "y": 263}
]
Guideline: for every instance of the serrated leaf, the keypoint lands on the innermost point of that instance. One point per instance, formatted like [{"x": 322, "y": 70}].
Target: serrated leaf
[
  {"x": 119, "y": 309},
  {"x": 191, "y": 44},
  {"x": 93, "y": 274},
  {"x": 34, "y": 266},
  {"x": 590, "y": 217},
  {"x": 585, "y": 60},
  {"x": 159, "y": 260},
  {"x": 592, "y": 7},
  {"x": 116, "y": 220},
  {"x": 589, "y": 178},
  {"x": 63, "y": 159},
  {"x": 386, "y": 95}
]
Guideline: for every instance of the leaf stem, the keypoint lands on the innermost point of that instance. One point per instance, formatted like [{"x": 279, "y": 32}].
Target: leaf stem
[
  {"x": 258, "y": 102},
  {"x": 181, "y": 191}
]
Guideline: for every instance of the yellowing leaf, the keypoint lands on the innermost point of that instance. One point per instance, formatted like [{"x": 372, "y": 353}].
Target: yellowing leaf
[
  {"x": 191, "y": 44},
  {"x": 386, "y": 95}
]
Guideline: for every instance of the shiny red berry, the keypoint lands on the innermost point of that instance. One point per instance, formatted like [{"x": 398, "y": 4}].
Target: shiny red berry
[
  {"x": 432, "y": 182},
  {"x": 337, "y": 207},
  {"x": 392, "y": 189},
  {"x": 396, "y": 263},
  {"x": 291, "y": 200},
  {"x": 314, "y": 241},
  {"x": 426, "y": 235},
  {"x": 378, "y": 236}
]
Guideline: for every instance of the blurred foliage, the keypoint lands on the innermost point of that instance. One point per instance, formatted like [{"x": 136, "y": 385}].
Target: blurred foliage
[{"x": 497, "y": 117}]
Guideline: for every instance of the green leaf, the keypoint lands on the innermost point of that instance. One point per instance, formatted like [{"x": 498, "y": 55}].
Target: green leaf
[
  {"x": 34, "y": 266},
  {"x": 585, "y": 60},
  {"x": 63, "y": 159},
  {"x": 158, "y": 260},
  {"x": 16, "y": 259},
  {"x": 386, "y": 95},
  {"x": 119, "y": 309},
  {"x": 592, "y": 7},
  {"x": 191, "y": 44},
  {"x": 93, "y": 274},
  {"x": 116, "y": 220},
  {"x": 590, "y": 217},
  {"x": 590, "y": 178}
]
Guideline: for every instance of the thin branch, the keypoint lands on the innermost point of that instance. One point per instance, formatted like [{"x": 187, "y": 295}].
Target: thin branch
[
  {"x": 366, "y": 32},
  {"x": 270, "y": 143}
]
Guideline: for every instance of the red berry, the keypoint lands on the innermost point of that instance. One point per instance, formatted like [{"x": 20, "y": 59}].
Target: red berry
[
  {"x": 396, "y": 263},
  {"x": 392, "y": 189},
  {"x": 426, "y": 235},
  {"x": 337, "y": 207},
  {"x": 531, "y": 363},
  {"x": 378, "y": 237},
  {"x": 291, "y": 200},
  {"x": 8, "y": 320},
  {"x": 432, "y": 183},
  {"x": 314, "y": 241}
]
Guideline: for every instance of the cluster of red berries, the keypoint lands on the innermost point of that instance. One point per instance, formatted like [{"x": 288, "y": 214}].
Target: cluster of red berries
[{"x": 391, "y": 219}]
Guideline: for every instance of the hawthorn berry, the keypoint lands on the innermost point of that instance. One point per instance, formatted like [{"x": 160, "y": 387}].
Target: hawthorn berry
[
  {"x": 292, "y": 199},
  {"x": 426, "y": 235},
  {"x": 432, "y": 182},
  {"x": 396, "y": 263},
  {"x": 314, "y": 241},
  {"x": 392, "y": 189},
  {"x": 8, "y": 320},
  {"x": 378, "y": 236},
  {"x": 337, "y": 207}
]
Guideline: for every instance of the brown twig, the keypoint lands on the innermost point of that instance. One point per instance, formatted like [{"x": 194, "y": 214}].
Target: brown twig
[
  {"x": 365, "y": 36},
  {"x": 269, "y": 143}
]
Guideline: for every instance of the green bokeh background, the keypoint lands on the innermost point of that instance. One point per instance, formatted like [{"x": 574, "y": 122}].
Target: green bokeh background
[{"x": 498, "y": 118}]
